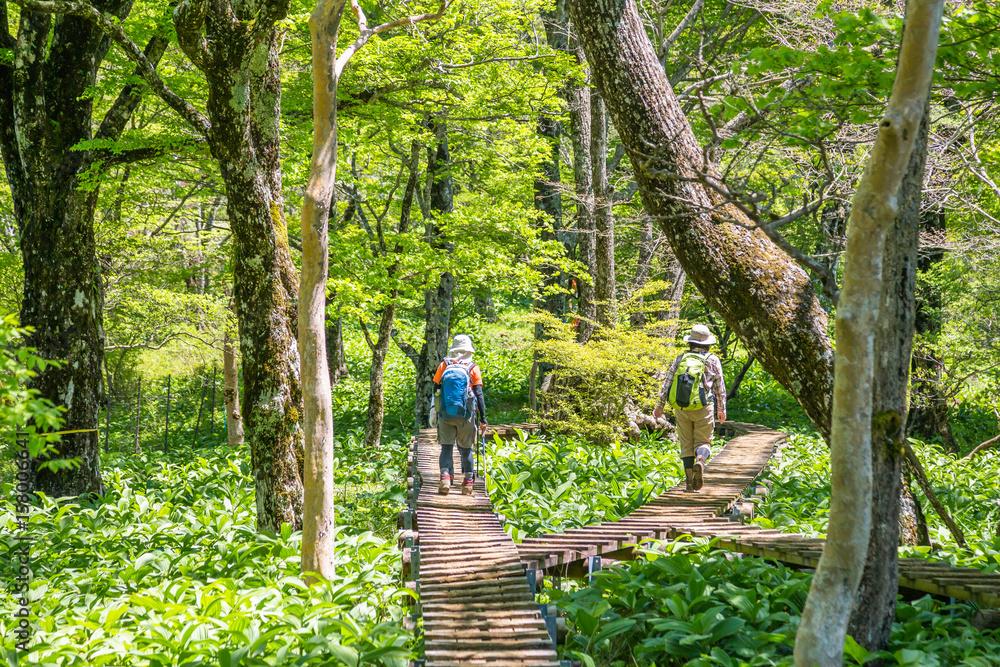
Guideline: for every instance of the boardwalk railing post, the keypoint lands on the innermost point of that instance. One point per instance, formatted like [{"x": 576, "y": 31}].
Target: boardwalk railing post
[
  {"x": 415, "y": 573},
  {"x": 593, "y": 565}
]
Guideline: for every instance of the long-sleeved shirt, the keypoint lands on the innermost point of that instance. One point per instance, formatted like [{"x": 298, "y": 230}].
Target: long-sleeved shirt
[{"x": 711, "y": 380}]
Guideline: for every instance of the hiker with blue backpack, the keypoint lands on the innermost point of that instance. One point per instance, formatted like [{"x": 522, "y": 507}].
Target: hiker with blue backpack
[
  {"x": 695, "y": 388},
  {"x": 458, "y": 399}
]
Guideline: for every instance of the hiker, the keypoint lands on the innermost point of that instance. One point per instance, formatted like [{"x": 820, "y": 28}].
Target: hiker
[
  {"x": 458, "y": 390},
  {"x": 695, "y": 387}
]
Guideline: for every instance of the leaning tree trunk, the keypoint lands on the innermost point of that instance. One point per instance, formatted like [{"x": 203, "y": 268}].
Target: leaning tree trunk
[
  {"x": 244, "y": 101},
  {"x": 760, "y": 291},
  {"x": 820, "y": 638},
  {"x": 604, "y": 222},
  {"x": 46, "y": 111},
  {"x": 231, "y": 393},
  {"x": 578, "y": 98},
  {"x": 875, "y": 606}
]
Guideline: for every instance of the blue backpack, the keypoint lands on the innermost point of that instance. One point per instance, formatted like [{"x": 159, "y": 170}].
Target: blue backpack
[{"x": 456, "y": 400}]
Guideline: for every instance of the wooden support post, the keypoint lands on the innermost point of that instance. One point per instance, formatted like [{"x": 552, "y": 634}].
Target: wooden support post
[
  {"x": 166, "y": 427},
  {"x": 197, "y": 423},
  {"x": 138, "y": 405}
]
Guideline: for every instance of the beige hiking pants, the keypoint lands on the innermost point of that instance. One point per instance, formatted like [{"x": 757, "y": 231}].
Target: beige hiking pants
[{"x": 694, "y": 428}]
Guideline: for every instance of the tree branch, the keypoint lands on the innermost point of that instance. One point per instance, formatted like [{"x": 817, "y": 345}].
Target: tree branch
[
  {"x": 925, "y": 486},
  {"x": 368, "y": 338},
  {"x": 679, "y": 30},
  {"x": 189, "y": 17},
  {"x": 498, "y": 60},
  {"x": 366, "y": 33},
  {"x": 128, "y": 99},
  {"x": 112, "y": 158},
  {"x": 109, "y": 26},
  {"x": 406, "y": 348}
]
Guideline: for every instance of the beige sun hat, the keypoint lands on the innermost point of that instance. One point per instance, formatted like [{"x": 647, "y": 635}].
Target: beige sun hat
[
  {"x": 461, "y": 347},
  {"x": 700, "y": 335}
]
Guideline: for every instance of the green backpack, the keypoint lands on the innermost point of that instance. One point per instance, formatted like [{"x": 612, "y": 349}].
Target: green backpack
[{"x": 683, "y": 395}]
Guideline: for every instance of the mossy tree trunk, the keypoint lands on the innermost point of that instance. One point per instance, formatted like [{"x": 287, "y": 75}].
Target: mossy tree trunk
[
  {"x": 46, "y": 110},
  {"x": 760, "y": 291},
  {"x": 236, "y": 47}
]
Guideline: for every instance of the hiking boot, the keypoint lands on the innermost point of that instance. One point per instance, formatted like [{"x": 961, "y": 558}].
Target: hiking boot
[
  {"x": 445, "y": 486},
  {"x": 698, "y": 478},
  {"x": 689, "y": 479},
  {"x": 467, "y": 487}
]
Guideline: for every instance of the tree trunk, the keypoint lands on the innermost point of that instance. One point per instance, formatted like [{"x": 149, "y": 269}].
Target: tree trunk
[
  {"x": 604, "y": 222},
  {"x": 46, "y": 110},
  {"x": 642, "y": 268},
  {"x": 578, "y": 98},
  {"x": 437, "y": 300},
  {"x": 231, "y": 393},
  {"x": 760, "y": 291},
  {"x": 548, "y": 200},
  {"x": 548, "y": 188},
  {"x": 486, "y": 309},
  {"x": 912, "y": 523},
  {"x": 861, "y": 327},
  {"x": 376, "y": 398},
  {"x": 875, "y": 605},
  {"x": 675, "y": 278},
  {"x": 244, "y": 95},
  {"x": 318, "y": 527},
  {"x": 338, "y": 358},
  {"x": 929, "y": 401}
]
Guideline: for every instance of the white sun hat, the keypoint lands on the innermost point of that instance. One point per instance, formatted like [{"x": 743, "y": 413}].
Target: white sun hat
[{"x": 700, "y": 335}]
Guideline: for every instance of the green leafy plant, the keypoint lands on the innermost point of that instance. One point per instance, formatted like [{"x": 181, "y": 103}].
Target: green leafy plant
[
  {"x": 169, "y": 569},
  {"x": 543, "y": 484},
  {"x": 24, "y": 415},
  {"x": 591, "y": 384}
]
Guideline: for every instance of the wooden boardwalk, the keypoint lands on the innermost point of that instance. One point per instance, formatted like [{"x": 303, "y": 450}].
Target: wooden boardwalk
[
  {"x": 474, "y": 596},
  {"x": 729, "y": 474},
  {"x": 476, "y": 587}
]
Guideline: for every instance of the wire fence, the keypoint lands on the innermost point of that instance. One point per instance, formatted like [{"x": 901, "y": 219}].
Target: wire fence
[{"x": 165, "y": 413}]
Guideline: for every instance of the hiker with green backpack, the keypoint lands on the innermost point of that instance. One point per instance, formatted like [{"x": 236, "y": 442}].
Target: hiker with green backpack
[{"x": 695, "y": 388}]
